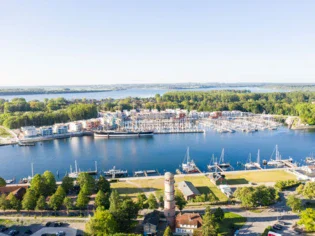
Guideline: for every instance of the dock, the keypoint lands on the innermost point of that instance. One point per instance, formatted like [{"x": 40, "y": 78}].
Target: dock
[{"x": 289, "y": 163}]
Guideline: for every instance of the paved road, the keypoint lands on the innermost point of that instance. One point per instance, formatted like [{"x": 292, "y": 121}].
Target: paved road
[{"x": 53, "y": 218}]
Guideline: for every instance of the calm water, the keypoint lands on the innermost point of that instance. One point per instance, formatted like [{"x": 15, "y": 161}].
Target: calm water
[
  {"x": 162, "y": 152},
  {"x": 143, "y": 93}
]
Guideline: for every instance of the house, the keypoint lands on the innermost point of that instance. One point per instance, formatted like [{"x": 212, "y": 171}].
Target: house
[
  {"x": 150, "y": 223},
  {"x": 18, "y": 191},
  {"x": 29, "y": 131},
  {"x": 188, "y": 189},
  {"x": 187, "y": 223},
  {"x": 44, "y": 131},
  {"x": 217, "y": 178}
]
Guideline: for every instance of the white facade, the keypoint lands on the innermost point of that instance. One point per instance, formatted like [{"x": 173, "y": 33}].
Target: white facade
[
  {"x": 75, "y": 126},
  {"x": 29, "y": 131}
]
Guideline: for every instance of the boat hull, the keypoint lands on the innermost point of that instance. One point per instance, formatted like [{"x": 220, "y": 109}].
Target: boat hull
[{"x": 104, "y": 134}]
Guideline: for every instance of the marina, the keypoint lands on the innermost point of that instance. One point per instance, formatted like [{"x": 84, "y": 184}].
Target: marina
[{"x": 162, "y": 153}]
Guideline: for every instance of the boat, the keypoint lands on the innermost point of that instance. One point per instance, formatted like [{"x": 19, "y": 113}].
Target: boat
[
  {"x": 116, "y": 173},
  {"x": 250, "y": 164},
  {"x": 213, "y": 164},
  {"x": 139, "y": 173},
  {"x": 189, "y": 166},
  {"x": 29, "y": 178},
  {"x": 222, "y": 164},
  {"x": 310, "y": 159},
  {"x": 75, "y": 174},
  {"x": 122, "y": 134},
  {"x": 10, "y": 181},
  {"x": 277, "y": 161}
]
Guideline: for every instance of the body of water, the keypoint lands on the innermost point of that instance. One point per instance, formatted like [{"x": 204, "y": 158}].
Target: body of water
[
  {"x": 162, "y": 152},
  {"x": 142, "y": 93}
]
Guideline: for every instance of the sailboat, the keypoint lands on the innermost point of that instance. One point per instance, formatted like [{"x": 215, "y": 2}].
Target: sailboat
[
  {"x": 189, "y": 166},
  {"x": 250, "y": 164},
  {"x": 29, "y": 178},
  {"x": 75, "y": 174},
  {"x": 310, "y": 159},
  {"x": 212, "y": 164},
  {"x": 277, "y": 161},
  {"x": 222, "y": 163}
]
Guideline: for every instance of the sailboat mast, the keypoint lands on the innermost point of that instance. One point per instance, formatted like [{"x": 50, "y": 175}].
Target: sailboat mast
[
  {"x": 258, "y": 157},
  {"x": 32, "y": 166},
  {"x": 188, "y": 158},
  {"x": 96, "y": 166},
  {"x": 76, "y": 166},
  {"x": 222, "y": 156}
]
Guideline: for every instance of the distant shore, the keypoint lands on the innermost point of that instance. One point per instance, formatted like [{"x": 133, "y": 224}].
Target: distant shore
[{"x": 25, "y": 92}]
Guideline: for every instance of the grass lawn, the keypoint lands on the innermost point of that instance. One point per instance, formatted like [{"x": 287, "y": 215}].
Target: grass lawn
[
  {"x": 5, "y": 222},
  {"x": 132, "y": 188},
  {"x": 258, "y": 176},
  {"x": 4, "y": 133},
  {"x": 230, "y": 219}
]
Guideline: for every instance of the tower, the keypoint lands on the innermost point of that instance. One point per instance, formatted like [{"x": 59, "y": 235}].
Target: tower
[{"x": 169, "y": 198}]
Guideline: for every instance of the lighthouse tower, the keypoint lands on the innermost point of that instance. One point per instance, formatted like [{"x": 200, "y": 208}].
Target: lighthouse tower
[{"x": 169, "y": 198}]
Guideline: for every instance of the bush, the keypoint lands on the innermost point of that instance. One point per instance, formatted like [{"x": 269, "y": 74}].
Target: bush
[{"x": 281, "y": 185}]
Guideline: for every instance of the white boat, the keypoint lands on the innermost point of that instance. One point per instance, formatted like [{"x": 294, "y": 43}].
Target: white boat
[
  {"x": 116, "y": 173},
  {"x": 310, "y": 159},
  {"x": 75, "y": 174},
  {"x": 250, "y": 164},
  {"x": 213, "y": 163},
  {"x": 189, "y": 166},
  {"x": 222, "y": 163},
  {"x": 277, "y": 161}
]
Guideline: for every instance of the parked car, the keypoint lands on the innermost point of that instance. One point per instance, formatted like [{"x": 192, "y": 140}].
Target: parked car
[
  {"x": 48, "y": 224},
  {"x": 3, "y": 229},
  {"x": 13, "y": 232},
  {"x": 61, "y": 233},
  {"x": 277, "y": 227},
  {"x": 28, "y": 231}
]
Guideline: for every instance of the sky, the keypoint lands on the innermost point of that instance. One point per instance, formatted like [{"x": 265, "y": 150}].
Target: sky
[{"x": 64, "y": 42}]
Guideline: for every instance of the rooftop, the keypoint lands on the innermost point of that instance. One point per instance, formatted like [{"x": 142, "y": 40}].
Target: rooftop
[{"x": 187, "y": 188}]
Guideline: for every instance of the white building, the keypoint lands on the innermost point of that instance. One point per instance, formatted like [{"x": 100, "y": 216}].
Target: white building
[
  {"x": 75, "y": 126},
  {"x": 29, "y": 131},
  {"x": 187, "y": 223},
  {"x": 226, "y": 190}
]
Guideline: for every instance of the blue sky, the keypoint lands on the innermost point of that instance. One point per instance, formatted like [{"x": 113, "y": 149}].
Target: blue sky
[{"x": 156, "y": 41}]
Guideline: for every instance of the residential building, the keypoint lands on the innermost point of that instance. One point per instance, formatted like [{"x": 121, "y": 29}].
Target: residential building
[
  {"x": 60, "y": 129},
  {"x": 150, "y": 223},
  {"x": 29, "y": 131},
  {"x": 45, "y": 131},
  {"x": 17, "y": 191},
  {"x": 187, "y": 223},
  {"x": 188, "y": 189},
  {"x": 75, "y": 126}
]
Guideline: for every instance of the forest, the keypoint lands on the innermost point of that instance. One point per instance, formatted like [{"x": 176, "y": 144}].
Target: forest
[{"x": 18, "y": 112}]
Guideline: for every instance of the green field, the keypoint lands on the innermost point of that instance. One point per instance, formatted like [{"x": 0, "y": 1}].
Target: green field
[
  {"x": 4, "y": 133},
  {"x": 230, "y": 223},
  {"x": 258, "y": 177},
  {"x": 133, "y": 187}
]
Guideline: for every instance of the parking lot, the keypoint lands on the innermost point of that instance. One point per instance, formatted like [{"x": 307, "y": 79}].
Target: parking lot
[{"x": 53, "y": 230}]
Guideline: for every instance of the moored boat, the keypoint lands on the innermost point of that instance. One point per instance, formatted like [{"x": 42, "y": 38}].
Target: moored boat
[{"x": 122, "y": 134}]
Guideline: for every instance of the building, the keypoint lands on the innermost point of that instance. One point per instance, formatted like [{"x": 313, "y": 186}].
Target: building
[
  {"x": 91, "y": 124},
  {"x": 150, "y": 223},
  {"x": 75, "y": 126},
  {"x": 17, "y": 191},
  {"x": 44, "y": 131},
  {"x": 169, "y": 198},
  {"x": 187, "y": 223},
  {"x": 188, "y": 189},
  {"x": 309, "y": 169},
  {"x": 60, "y": 129},
  {"x": 29, "y": 131}
]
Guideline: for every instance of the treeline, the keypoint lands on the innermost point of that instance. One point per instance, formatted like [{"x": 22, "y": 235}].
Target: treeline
[{"x": 18, "y": 112}]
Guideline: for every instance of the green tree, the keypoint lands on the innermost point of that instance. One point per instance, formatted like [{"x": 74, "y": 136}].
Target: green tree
[
  {"x": 101, "y": 200},
  {"x": 114, "y": 201},
  {"x": 2, "y": 182},
  {"x": 180, "y": 200},
  {"x": 128, "y": 211},
  {"x": 103, "y": 184},
  {"x": 168, "y": 231},
  {"x": 102, "y": 223},
  {"x": 86, "y": 182},
  {"x": 67, "y": 202},
  {"x": 56, "y": 199},
  {"x": 14, "y": 203},
  {"x": 219, "y": 214},
  {"x": 300, "y": 189},
  {"x": 294, "y": 203},
  {"x": 4, "y": 203},
  {"x": 29, "y": 200},
  {"x": 142, "y": 201},
  {"x": 38, "y": 185},
  {"x": 309, "y": 190},
  {"x": 152, "y": 202},
  {"x": 67, "y": 184},
  {"x": 50, "y": 183},
  {"x": 82, "y": 200},
  {"x": 209, "y": 224},
  {"x": 41, "y": 203},
  {"x": 307, "y": 219}
]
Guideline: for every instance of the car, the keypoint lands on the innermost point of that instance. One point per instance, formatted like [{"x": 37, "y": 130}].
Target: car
[
  {"x": 61, "y": 233},
  {"x": 3, "y": 229},
  {"x": 13, "y": 232},
  {"x": 28, "y": 231},
  {"x": 279, "y": 226},
  {"x": 281, "y": 223},
  {"x": 48, "y": 224},
  {"x": 276, "y": 227}
]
